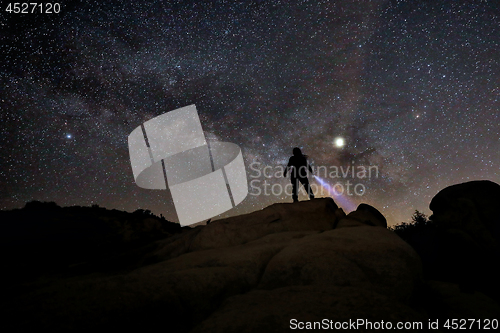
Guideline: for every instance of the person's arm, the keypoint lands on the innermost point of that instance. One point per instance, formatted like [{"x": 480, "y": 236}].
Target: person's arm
[{"x": 310, "y": 169}]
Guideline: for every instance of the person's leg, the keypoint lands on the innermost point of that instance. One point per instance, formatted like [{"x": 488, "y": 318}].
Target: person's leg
[
  {"x": 295, "y": 188},
  {"x": 307, "y": 187}
]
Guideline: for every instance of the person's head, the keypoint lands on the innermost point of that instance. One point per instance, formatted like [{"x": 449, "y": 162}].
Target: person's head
[{"x": 297, "y": 152}]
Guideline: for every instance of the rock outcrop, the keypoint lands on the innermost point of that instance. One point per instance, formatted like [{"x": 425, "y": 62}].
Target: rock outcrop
[
  {"x": 466, "y": 243},
  {"x": 260, "y": 272},
  {"x": 471, "y": 208},
  {"x": 307, "y": 261}
]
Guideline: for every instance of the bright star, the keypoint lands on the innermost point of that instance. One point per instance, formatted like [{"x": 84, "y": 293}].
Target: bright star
[{"x": 339, "y": 142}]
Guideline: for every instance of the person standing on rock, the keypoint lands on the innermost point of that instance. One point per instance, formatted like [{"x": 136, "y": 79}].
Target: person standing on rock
[{"x": 298, "y": 172}]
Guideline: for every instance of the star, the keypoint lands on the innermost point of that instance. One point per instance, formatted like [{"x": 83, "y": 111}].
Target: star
[
  {"x": 339, "y": 142},
  {"x": 411, "y": 90}
]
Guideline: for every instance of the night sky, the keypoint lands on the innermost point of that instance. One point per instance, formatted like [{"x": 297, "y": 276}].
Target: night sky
[{"x": 413, "y": 87}]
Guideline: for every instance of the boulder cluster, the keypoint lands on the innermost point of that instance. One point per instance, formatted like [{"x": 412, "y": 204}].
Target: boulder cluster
[{"x": 278, "y": 268}]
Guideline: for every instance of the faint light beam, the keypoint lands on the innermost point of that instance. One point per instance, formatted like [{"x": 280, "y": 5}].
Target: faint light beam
[{"x": 346, "y": 204}]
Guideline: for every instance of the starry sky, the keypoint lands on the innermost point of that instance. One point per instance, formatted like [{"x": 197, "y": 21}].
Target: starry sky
[{"x": 412, "y": 87}]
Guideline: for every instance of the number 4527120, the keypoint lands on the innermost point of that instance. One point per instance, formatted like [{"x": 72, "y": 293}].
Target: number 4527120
[{"x": 33, "y": 8}]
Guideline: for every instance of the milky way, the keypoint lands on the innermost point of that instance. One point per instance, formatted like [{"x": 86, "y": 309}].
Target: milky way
[{"x": 411, "y": 86}]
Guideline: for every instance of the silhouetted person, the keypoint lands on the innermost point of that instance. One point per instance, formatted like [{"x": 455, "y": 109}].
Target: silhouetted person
[{"x": 298, "y": 172}]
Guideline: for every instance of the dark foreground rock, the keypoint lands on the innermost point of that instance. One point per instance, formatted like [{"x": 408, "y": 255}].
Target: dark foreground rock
[
  {"x": 465, "y": 246},
  {"x": 306, "y": 262}
]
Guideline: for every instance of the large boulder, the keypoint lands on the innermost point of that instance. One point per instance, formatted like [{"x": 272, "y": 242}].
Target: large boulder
[
  {"x": 466, "y": 241},
  {"x": 364, "y": 257},
  {"x": 246, "y": 273},
  {"x": 318, "y": 215},
  {"x": 471, "y": 207},
  {"x": 363, "y": 215}
]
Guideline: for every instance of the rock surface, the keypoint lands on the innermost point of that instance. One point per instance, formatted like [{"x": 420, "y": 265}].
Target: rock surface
[
  {"x": 307, "y": 261},
  {"x": 247, "y": 273},
  {"x": 470, "y": 207},
  {"x": 466, "y": 246}
]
